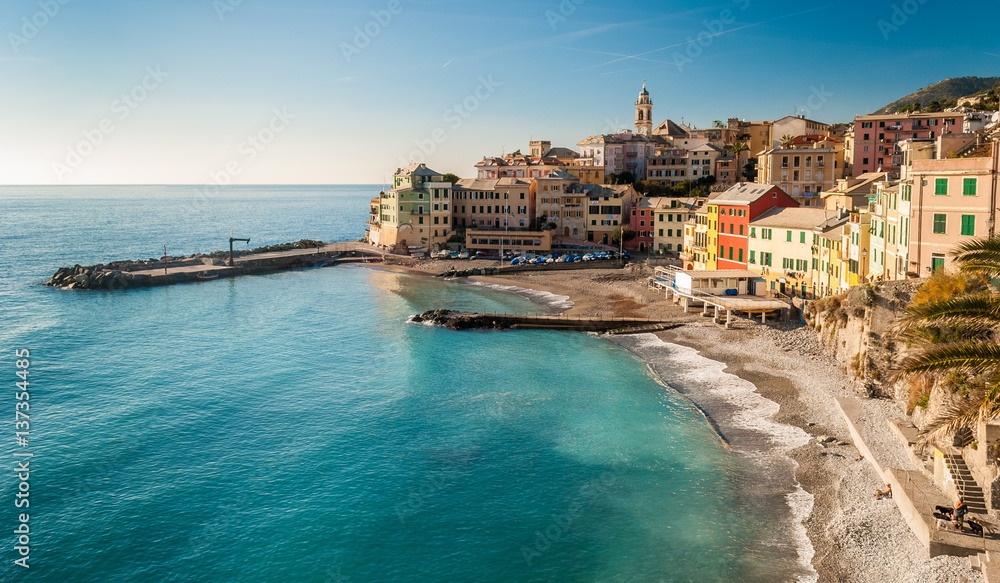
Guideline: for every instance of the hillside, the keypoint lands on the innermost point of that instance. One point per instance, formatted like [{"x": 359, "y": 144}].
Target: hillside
[{"x": 947, "y": 90}]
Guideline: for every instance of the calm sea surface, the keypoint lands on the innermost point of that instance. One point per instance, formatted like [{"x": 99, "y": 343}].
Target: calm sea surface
[{"x": 295, "y": 427}]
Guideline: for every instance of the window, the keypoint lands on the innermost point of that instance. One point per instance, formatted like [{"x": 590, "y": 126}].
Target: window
[
  {"x": 802, "y": 237},
  {"x": 741, "y": 255},
  {"x": 730, "y": 253},
  {"x": 969, "y": 225},
  {"x": 661, "y": 233},
  {"x": 788, "y": 236},
  {"x": 741, "y": 230},
  {"x": 940, "y": 224},
  {"x": 765, "y": 259},
  {"x": 753, "y": 232},
  {"x": 941, "y": 186},
  {"x": 937, "y": 262},
  {"x": 969, "y": 187}
]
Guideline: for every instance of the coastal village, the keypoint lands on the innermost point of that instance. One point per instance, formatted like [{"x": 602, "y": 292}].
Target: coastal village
[
  {"x": 812, "y": 208},
  {"x": 852, "y": 226}
]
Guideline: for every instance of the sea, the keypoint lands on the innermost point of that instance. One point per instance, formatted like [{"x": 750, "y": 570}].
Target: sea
[{"x": 298, "y": 427}]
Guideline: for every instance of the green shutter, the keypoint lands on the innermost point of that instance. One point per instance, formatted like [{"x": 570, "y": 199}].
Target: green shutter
[
  {"x": 802, "y": 237},
  {"x": 940, "y": 224},
  {"x": 969, "y": 225},
  {"x": 752, "y": 253},
  {"x": 969, "y": 187},
  {"x": 941, "y": 186},
  {"x": 741, "y": 255},
  {"x": 788, "y": 236}
]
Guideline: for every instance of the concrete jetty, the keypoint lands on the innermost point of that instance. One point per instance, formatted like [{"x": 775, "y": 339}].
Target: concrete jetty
[{"x": 201, "y": 267}]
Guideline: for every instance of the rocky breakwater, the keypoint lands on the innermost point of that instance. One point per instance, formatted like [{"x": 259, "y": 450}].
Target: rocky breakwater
[
  {"x": 460, "y": 320},
  {"x": 94, "y": 277},
  {"x": 150, "y": 272}
]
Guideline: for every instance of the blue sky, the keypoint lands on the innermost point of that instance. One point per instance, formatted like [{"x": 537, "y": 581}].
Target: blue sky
[{"x": 309, "y": 91}]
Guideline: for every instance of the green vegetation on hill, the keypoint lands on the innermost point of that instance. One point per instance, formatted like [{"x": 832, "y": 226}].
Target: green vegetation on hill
[{"x": 942, "y": 94}]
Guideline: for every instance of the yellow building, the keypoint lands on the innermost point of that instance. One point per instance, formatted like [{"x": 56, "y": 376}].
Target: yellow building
[{"x": 804, "y": 173}]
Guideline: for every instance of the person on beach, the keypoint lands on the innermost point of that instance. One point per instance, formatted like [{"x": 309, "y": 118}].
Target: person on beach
[
  {"x": 886, "y": 493},
  {"x": 958, "y": 515}
]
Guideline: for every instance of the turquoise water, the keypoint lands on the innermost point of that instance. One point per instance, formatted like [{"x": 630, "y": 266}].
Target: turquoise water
[{"x": 295, "y": 427}]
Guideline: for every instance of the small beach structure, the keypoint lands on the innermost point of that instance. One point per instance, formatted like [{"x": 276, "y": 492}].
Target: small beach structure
[{"x": 731, "y": 290}]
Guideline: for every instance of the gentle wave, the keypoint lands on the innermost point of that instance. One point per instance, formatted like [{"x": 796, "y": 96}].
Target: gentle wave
[
  {"x": 554, "y": 302},
  {"x": 747, "y": 410}
]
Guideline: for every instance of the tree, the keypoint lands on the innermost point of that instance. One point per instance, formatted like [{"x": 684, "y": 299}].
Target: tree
[
  {"x": 737, "y": 148},
  {"x": 452, "y": 178},
  {"x": 786, "y": 141},
  {"x": 959, "y": 333},
  {"x": 750, "y": 170},
  {"x": 620, "y": 178},
  {"x": 623, "y": 233},
  {"x": 538, "y": 223}
]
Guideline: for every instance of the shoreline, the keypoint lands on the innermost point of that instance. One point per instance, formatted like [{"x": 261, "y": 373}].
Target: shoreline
[{"x": 852, "y": 536}]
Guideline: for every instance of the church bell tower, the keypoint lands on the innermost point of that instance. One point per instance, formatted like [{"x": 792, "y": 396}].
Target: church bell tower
[{"x": 644, "y": 113}]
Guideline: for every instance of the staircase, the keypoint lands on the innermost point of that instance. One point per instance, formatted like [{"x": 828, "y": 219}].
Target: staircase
[
  {"x": 967, "y": 487},
  {"x": 989, "y": 568}
]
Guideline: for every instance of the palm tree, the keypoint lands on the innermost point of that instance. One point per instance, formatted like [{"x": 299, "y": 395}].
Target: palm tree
[
  {"x": 737, "y": 148},
  {"x": 974, "y": 318},
  {"x": 786, "y": 140}
]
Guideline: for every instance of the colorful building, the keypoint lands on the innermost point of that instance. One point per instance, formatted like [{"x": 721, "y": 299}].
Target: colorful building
[
  {"x": 732, "y": 211},
  {"x": 416, "y": 213},
  {"x": 803, "y": 172},
  {"x": 877, "y": 137},
  {"x": 781, "y": 243}
]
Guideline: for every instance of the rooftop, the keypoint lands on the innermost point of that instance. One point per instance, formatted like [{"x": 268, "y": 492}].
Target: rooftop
[
  {"x": 743, "y": 193},
  {"x": 794, "y": 218}
]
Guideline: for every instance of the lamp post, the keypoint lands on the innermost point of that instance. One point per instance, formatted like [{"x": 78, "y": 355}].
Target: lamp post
[{"x": 864, "y": 264}]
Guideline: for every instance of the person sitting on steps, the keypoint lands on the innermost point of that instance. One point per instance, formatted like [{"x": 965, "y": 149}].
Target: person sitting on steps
[{"x": 886, "y": 493}]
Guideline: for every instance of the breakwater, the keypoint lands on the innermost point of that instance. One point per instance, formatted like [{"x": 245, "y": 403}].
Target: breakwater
[
  {"x": 206, "y": 267},
  {"x": 470, "y": 321}
]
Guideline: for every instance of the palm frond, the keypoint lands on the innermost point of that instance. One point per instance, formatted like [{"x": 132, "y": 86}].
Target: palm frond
[
  {"x": 975, "y": 312},
  {"x": 971, "y": 357},
  {"x": 965, "y": 415},
  {"x": 980, "y": 256}
]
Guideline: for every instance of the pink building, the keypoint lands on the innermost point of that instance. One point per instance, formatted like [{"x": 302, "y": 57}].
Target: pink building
[
  {"x": 877, "y": 137},
  {"x": 955, "y": 200}
]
